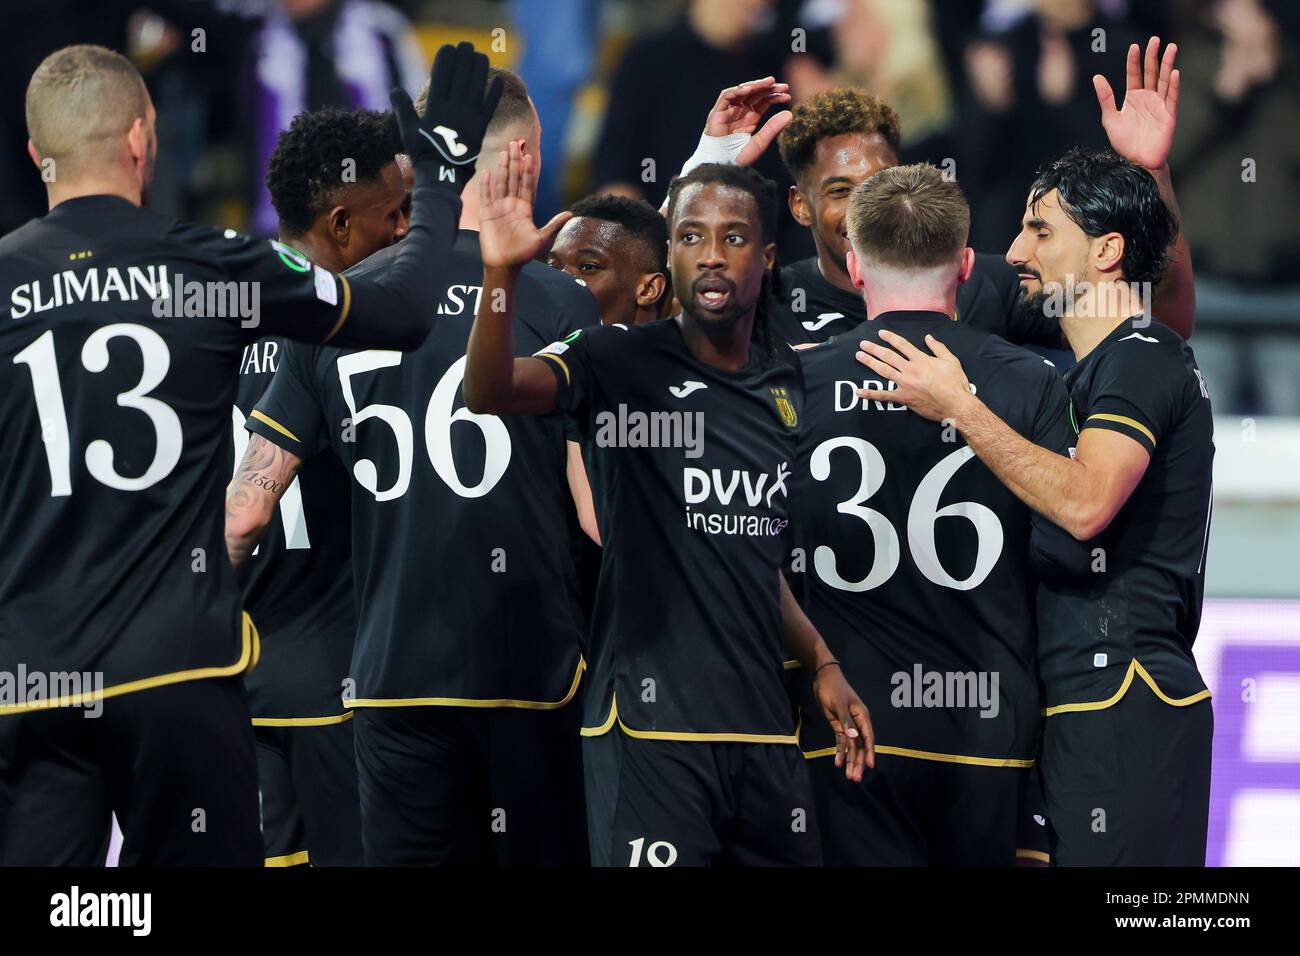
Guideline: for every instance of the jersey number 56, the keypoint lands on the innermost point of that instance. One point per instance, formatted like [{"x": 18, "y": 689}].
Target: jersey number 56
[{"x": 438, "y": 419}]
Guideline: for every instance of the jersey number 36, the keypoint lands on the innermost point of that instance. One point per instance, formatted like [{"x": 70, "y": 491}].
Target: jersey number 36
[{"x": 922, "y": 516}]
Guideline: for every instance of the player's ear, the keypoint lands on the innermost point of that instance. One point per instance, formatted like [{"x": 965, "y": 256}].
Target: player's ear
[
  {"x": 967, "y": 265},
  {"x": 799, "y": 207},
  {"x": 339, "y": 225},
  {"x": 855, "y": 273},
  {"x": 31, "y": 151},
  {"x": 1108, "y": 252},
  {"x": 650, "y": 291},
  {"x": 137, "y": 141},
  {"x": 769, "y": 256}
]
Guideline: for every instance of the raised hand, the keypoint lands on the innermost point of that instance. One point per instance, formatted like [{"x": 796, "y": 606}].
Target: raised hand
[
  {"x": 1143, "y": 130},
  {"x": 738, "y": 110},
  {"x": 446, "y": 140},
  {"x": 507, "y": 236}
]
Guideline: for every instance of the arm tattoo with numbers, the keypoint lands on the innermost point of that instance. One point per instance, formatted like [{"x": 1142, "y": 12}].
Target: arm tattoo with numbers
[{"x": 262, "y": 478}]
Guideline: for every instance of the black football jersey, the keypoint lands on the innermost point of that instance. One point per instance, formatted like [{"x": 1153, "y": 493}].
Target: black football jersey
[
  {"x": 920, "y": 565},
  {"x": 465, "y": 586},
  {"x": 812, "y": 310},
  {"x": 120, "y": 337},
  {"x": 690, "y": 468},
  {"x": 297, "y": 584},
  {"x": 1136, "y": 615}
]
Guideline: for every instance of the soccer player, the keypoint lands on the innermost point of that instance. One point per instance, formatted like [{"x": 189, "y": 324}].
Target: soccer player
[
  {"x": 618, "y": 247},
  {"x": 690, "y": 752},
  {"x": 931, "y": 617},
  {"x": 1126, "y": 748},
  {"x": 839, "y": 138},
  {"x": 114, "y": 585},
  {"x": 298, "y": 582},
  {"x": 468, "y": 654}
]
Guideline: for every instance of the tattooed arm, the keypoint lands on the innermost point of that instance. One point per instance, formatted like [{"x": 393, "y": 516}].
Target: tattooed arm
[{"x": 253, "y": 494}]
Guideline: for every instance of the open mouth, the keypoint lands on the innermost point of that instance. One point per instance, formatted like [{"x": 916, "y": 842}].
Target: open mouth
[{"x": 714, "y": 295}]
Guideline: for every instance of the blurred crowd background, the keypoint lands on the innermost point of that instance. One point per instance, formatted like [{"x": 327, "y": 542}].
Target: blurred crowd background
[{"x": 992, "y": 87}]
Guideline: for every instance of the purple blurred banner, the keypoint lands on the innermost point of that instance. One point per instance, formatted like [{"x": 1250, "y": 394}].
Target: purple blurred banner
[{"x": 1249, "y": 653}]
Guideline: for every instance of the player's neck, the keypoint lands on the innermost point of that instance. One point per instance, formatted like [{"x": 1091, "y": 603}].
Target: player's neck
[
  {"x": 1097, "y": 311},
  {"x": 882, "y": 299},
  {"x": 835, "y": 273},
  {"x": 60, "y": 192},
  {"x": 322, "y": 253},
  {"x": 469, "y": 204},
  {"x": 726, "y": 349}
]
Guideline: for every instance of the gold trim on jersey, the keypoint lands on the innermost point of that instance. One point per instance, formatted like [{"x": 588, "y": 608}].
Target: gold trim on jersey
[
  {"x": 472, "y": 701},
  {"x": 268, "y": 420},
  {"x": 791, "y": 665},
  {"x": 568, "y": 379},
  {"x": 918, "y": 754},
  {"x": 302, "y": 721},
  {"x": 347, "y": 307},
  {"x": 1038, "y": 855},
  {"x": 699, "y": 738},
  {"x": 289, "y": 859},
  {"x": 1122, "y": 420},
  {"x": 930, "y": 755},
  {"x": 1134, "y": 667},
  {"x": 250, "y": 651}
]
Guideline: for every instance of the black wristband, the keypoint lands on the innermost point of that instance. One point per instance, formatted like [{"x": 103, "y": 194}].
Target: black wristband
[{"x": 827, "y": 664}]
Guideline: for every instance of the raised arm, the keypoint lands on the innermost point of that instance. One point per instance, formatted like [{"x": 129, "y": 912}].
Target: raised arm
[
  {"x": 731, "y": 132},
  {"x": 261, "y": 480},
  {"x": 497, "y": 382},
  {"x": 1143, "y": 132},
  {"x": 388, "y": 308}
]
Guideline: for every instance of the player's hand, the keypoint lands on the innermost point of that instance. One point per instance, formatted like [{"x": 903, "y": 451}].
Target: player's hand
[
  {"x": 507, "y": 236},
  {"x": 460, "y": 106},
  {"x": 855, "y": 742},
  {"x": 738, "y": 110},
  {"x": 933, "y": 386},
  {"x": 1143, "y": 130}
]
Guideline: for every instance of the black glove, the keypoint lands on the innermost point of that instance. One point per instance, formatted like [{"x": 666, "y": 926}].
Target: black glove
[{"x": 460, "y": 106}]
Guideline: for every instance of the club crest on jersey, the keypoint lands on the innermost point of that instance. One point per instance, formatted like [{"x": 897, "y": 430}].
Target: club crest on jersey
[{"x": 785, "y": 407}]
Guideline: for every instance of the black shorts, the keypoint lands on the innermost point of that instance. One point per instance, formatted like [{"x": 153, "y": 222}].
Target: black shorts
[
  {"x": 465, "y": 786},
  {"x": 174, "y": 763},
  {"x": 1129, "y": 785},
  {"x": 688, "y": 803},
  {"x": 310, "y": 809},
  {"x": 912, "y": 812}
]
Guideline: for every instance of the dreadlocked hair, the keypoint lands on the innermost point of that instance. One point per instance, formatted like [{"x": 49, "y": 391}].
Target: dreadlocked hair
[{"x": 765, "y": 194}]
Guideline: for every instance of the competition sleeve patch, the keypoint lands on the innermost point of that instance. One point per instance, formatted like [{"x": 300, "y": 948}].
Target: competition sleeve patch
[
  {"x": 347, "y": 298},
  {"x": 552, "y": 354}
]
